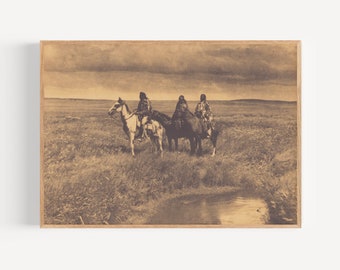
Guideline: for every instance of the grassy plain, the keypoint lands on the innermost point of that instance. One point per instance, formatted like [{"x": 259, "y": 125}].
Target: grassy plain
[{"x": 90, "y": 177}]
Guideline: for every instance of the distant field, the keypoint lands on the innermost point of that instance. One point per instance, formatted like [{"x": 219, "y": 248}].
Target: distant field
[{"x": 90, "y": 176}]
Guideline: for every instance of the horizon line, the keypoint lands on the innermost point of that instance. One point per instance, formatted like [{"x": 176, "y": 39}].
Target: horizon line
[{"x": 240, "y": 99}]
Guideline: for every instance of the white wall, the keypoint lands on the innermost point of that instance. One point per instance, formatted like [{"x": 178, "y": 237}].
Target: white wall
[{"x": 24, "y": 245}]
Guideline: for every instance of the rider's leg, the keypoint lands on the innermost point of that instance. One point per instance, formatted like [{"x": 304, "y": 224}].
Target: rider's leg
[
  {"x": 144, "y": 122},
  {"x": 210, "y": 125},
  {"x": 206, "y": 128},
  {"x": 209, "y": 131},
  {"x": 139, "y": 135}
]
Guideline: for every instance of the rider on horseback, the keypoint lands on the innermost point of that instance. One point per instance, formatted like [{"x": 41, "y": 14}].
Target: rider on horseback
[
  {"x": 180, "y": 111},
  {"x": 181, "y": 106},
  {"x": 203, "y": 111},
  {"x": 144, "y": 110}
]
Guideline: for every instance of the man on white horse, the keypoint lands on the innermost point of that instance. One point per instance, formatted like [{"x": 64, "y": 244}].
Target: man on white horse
[
  {"x": 153, "y": 130},
  {"x": 144, "y": 111}
]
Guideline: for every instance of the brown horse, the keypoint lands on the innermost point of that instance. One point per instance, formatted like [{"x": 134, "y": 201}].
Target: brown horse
[{"x": 193, "y": 128}]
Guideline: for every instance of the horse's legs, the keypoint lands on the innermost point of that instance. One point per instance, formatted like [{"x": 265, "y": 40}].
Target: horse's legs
[
  {"x": 132, "y": 137},
  {"x": 160, "y": 141},
  {"x": 192, "y": 145},
  {"x": 152, "y": 141},
  {"x": 199, "y": 142},
  {"x": 176, "y": 144},
  {"x": 214, "y": 152},
  {"x": 214, "y": 141},
  {"x": 170, "y": 143}
]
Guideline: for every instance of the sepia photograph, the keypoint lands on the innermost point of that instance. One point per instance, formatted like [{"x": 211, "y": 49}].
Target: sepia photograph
[{"x": 170, "y": 134}]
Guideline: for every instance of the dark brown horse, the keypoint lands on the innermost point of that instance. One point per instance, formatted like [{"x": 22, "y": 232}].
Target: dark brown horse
[{"x": 192, "y": 128}]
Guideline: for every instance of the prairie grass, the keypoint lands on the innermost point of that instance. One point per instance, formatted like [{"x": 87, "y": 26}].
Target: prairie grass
[{"x": 90, "y": 176}]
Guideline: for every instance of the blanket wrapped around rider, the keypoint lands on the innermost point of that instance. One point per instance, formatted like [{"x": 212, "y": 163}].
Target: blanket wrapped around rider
[
  {"x": 181, "y": 112},
  {"x": 203, "y": 111},
  {"x": 144, "y": 106}
]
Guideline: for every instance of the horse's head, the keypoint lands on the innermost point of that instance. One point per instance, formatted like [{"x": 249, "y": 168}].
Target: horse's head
[{"x": 117, "y": 107}]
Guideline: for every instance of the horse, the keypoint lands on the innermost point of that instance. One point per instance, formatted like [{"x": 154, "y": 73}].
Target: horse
[
  {"x": 155, "y": 132},
  {"x": 131, "y": 124},
  {"x": 193, "y": 128},
  {"x": 198, "y": 127}
]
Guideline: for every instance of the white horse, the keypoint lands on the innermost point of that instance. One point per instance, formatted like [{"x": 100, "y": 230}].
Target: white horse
[
  {"x": 131, "y": 124},
  {"x": 155, "y": 132}
]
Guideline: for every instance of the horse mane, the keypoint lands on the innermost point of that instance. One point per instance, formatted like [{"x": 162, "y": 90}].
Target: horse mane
[
  {"x": 164, "y": 119},
  {"x": 127, "y": 107},
  {"x": 122, "y": 102}
]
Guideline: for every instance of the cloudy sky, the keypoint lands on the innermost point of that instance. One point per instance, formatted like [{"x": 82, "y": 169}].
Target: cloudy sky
[{"x": 164, "y": 70}]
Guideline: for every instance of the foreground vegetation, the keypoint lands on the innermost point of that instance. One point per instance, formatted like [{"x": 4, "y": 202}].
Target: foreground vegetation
[{"x": 90, "y": 176}]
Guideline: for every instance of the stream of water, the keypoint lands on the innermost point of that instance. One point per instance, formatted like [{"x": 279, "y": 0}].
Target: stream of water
[{"x": 219, "y": 209}]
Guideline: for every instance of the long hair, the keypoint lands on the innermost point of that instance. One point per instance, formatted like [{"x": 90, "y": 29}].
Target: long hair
[{"x": 142, "y": 95}]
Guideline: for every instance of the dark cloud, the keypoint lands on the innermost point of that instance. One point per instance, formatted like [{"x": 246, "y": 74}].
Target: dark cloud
[
  {"x": 275, "y": 53},
  {"x": 260, "y": 62},
  {"x": 230, "y": 62}
]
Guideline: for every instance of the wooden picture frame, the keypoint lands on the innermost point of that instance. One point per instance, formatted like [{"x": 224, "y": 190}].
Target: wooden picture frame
[{"x": 89, "y": 177}]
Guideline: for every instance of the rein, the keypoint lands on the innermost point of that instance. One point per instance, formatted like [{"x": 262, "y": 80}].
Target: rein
[{"x": 132, "y": 114}]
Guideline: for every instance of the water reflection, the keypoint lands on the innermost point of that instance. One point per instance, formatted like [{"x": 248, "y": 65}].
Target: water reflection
[{"x": 224, "y": 209}]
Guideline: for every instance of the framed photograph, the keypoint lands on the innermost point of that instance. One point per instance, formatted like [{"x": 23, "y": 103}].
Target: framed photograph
[{"x": 170, "y": 134}]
